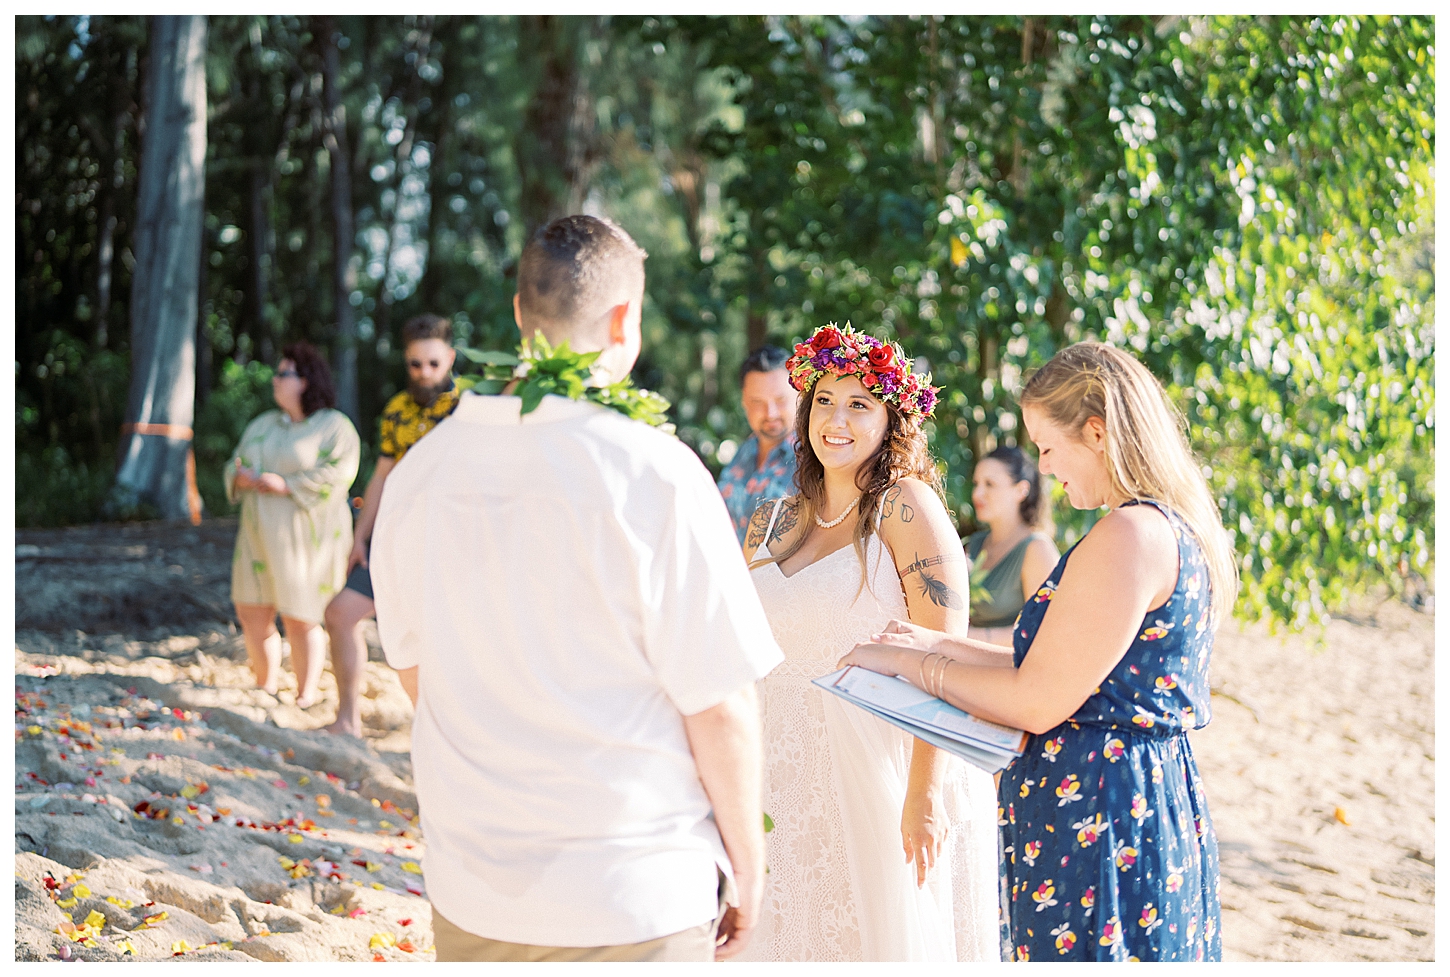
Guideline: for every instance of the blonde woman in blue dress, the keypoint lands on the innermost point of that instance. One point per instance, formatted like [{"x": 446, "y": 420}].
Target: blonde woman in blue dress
[
  {"x": 1109, "y": 850},
  {"x": 884, "y": 848}
]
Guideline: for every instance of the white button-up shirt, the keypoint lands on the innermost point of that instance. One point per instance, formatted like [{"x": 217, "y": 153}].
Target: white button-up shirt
[{"x": 569, "y": 586}]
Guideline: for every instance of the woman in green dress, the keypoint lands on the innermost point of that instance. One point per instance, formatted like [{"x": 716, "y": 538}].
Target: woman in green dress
[
  {"x": 1013, "y": 555},
  {"x": 291, "y": 472}
]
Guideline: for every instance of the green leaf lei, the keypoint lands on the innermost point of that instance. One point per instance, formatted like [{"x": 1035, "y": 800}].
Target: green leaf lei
[{"x": 545, "y": 369}]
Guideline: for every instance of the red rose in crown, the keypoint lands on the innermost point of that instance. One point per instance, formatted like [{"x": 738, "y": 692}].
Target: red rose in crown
[
  {"x": 826, "y": 337},
  {"x": 881, "y": 357}
]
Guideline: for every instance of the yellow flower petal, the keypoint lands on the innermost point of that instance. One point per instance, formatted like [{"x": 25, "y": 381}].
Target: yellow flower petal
[
  {"x": 67, "y": 903},
  {"x": 180, "y": 946},
  {"x": 81, "y": 891},
  {"x": 373, "y": 866},
  {"x": 126, "y": 946},
  {"x": 304, "y": 781},
  {"x": 189, "y": 791},
  {"x": 385, "y": 824},
  {"x": 96, "y": 919},
  {"x": 382, "y": 940},
  {"x": 295, "y": 839},
  {"x": 413, "y": 867},
  {"x": 379, "y": 885}
]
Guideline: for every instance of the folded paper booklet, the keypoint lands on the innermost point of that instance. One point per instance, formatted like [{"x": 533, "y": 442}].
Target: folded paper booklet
[{"x": 987, "y": 745}]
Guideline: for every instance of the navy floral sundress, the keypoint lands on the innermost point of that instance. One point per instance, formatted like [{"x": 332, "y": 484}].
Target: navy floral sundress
[{"x": 1108, "y": 850}]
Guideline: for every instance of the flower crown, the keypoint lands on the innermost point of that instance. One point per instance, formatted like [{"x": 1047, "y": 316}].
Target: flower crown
[{"x": 882, "y": 367}]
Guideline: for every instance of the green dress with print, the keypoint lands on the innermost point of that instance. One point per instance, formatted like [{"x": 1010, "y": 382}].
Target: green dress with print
[{"x": 292, "y": 549}]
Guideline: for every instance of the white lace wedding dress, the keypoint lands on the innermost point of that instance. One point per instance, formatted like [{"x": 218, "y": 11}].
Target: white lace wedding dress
[{"x": 838, "y": 885}]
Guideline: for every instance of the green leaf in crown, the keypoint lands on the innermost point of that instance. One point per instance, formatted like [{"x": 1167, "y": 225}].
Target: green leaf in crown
[{"x": 544, "y": 369}]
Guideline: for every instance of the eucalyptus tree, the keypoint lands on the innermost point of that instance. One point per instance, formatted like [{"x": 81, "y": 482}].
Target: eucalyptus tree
[{"x": 157, "y": 465}]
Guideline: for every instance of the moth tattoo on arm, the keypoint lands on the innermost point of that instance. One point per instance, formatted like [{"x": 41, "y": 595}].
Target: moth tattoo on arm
[
  {"x": 786, "y": 522},
  {"x": 933, "y": 588},
  {"x": 755, "y": 531}
]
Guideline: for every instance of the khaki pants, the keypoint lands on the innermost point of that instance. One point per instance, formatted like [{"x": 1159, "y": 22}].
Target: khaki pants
[{"x": 694, "y": 945}]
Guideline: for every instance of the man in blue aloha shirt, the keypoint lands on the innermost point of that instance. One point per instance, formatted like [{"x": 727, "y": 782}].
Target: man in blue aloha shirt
[{"x": 764, "y": 467}]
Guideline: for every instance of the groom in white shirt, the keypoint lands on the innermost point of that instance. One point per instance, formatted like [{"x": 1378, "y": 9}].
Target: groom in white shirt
[{"x": 563, "y": 595}]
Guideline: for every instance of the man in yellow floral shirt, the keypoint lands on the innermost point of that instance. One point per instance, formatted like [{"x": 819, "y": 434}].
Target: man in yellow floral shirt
[{"x": 430, "y": 397}]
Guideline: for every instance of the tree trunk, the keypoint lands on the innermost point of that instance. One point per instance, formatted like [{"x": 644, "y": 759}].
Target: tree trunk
[
  {"x": 259, "y": 236},
  {"x": 554, "y": 147},
  {"x": 157, "y": 467},
  {"x": 203, "y": 340},
  {"x": 438, "y": 192},
  {"x": 344, "y": 275}
]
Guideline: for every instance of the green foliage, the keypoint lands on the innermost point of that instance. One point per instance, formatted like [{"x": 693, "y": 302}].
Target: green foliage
[
  {"x": 1222, "y": 196},
  {"x": 544, "y": 369},
  {"x": 1245, "y": 202}
]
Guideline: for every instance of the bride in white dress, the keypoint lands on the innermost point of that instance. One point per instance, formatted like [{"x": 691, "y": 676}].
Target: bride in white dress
[{"x": 884, "y": 848}]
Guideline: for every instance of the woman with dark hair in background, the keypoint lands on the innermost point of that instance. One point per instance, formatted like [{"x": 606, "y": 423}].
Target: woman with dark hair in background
[
  {"x": 291, "y": 473},
  {"x": 865, "y": 539},
  {"x": 1012, "y": 556}
]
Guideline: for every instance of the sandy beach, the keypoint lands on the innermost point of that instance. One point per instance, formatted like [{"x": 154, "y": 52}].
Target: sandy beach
[{"x": 165, "y": 807}]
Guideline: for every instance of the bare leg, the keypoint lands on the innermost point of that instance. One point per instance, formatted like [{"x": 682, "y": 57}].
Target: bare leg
[
  {"x": 345, "y": 615},
  {"x": 264, "y": 644},
  {"x": 308, "y": 642}
]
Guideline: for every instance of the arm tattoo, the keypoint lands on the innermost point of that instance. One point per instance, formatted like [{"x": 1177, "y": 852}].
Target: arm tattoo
[
  {"x": 888, "y": 506},
  {"x": 939, "y": 593},
  {"x": 888, "y": 502},
  {"x": 755, "y": 531},
  {"x": 933, "y": 589},
  {"x": 786, "y": 522},
  {"x": 920, "y": 564}
]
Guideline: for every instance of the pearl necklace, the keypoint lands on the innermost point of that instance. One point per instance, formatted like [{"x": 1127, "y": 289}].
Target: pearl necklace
[{"x": 837, "y": 521}]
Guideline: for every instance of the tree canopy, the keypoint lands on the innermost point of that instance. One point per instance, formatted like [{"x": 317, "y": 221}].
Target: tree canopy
[{"x": 1247, "y": 203}]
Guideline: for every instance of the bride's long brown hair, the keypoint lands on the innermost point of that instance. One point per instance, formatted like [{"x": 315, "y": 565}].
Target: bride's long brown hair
[{"x": 903, "y": 454}]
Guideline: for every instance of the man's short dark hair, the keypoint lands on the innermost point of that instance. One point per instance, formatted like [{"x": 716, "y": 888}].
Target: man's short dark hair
[
  {"x": 578, "y": 267},
  {"x": 763, "y": 359},
  {"x": 427, "y": 326}
]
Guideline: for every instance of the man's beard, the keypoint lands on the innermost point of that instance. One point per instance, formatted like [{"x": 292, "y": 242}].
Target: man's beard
[
  {"x": 425, "y": 394},
  {"x": 773, "y": 432}
]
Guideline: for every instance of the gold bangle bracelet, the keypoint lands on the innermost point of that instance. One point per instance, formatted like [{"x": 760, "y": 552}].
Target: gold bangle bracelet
[
  {"x": 941, "y": 671},
  {"x": 942, "y": 679},
  {"x": 921, "y": 671}
]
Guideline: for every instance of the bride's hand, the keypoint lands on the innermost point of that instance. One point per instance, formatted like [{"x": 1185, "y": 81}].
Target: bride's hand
[
  {"x": 923, "y": 831},
  {"x": 874, "y": 657},
  {"x": 904, "y": 634}
]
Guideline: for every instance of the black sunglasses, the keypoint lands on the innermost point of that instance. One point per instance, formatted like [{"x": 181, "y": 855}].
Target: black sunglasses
[{"x": 283, "y": 374}]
